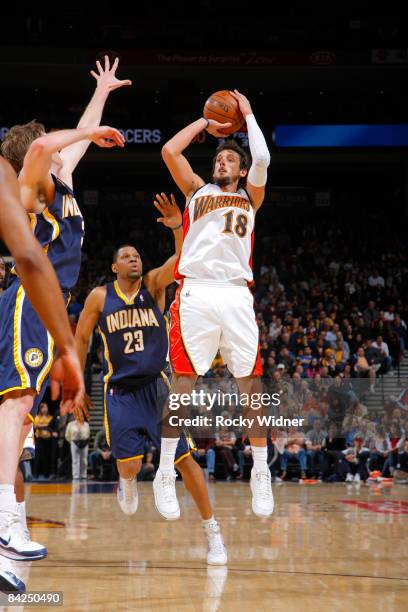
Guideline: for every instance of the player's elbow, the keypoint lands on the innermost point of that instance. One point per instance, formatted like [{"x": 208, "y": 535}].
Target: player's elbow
[
  {"x": 263, "y": 160},
  {"x": 167, "y": 151},
  {"x": 38, "y": 148}
]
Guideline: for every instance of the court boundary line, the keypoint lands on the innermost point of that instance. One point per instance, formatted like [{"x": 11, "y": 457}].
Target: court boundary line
[{"x": 120, "y": 564}]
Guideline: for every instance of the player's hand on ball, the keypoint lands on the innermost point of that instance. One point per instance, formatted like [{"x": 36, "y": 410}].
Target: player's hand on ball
[
  {"x": 171, "y": 214},
  {"x": 106, "y": 137},
  {"x": 243, "y": 102},
  {"x": 106, "y": 79},
  {"x": 214, "y": 128}
]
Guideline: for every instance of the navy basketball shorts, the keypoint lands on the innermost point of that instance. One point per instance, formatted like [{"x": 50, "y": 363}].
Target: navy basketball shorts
[
  {"x": 130, "y": 415},
  {"x": 26, "y": 347}
]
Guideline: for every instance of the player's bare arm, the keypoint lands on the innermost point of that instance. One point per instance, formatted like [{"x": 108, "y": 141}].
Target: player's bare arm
[
  {"x": 106, "y": 81},
  {"x": 158, "y": 279},
  {"x": 39, "y": 281},
  {"x": 257, "y": 174},
  {"x": 36, "y": 185},
  {"x": 87, "y": 321},
  {"x": 172, "y": 152}
]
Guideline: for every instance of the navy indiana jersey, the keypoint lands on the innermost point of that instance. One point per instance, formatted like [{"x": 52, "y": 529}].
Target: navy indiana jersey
[
  {"x": 134, "y": 334},
  {"x": 60, "y": 231}
]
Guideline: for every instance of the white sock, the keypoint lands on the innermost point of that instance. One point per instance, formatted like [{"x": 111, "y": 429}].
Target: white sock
[
  {"x": 260, "y": 457},
  {"x": 211, "y": 521},
  {"x": 168, "y": 453},
  {"x": 7, "y": 496},
  {"x": 21, "y": 507}
]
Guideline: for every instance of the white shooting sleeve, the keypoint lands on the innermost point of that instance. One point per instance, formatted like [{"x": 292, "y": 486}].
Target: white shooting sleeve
[{"x": 261, "y": 158}]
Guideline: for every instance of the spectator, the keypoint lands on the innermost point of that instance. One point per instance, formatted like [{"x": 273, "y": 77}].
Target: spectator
[
  {"x": 400, "y": 328},
  {"x": 224, "y": 444},
  {"x": 364, "y": 370},
  {"x": 333, "y": 445},
  {"x": 382, "y": 347},
  {"x": 43, "y": 431},
  {"x": 78, "y": 435},
  {"x": 315, "y": 439},
  {"x": 101, "y": 460},
  {"x": 370, "y": 314},
  {"x": 294, "y": 450},
  {"x": 353, "y": 465},
  {"x": 380, "y": 449},
  {"x": 313, "y": 369},
  {"x": 401, "y": 468}
]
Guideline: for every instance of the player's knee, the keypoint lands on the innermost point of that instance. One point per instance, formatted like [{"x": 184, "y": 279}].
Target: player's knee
[{"x": 17, "y": 408}]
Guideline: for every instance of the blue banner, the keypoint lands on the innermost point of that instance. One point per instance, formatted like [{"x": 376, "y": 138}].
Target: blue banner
[{"x": 391, "y": 135}]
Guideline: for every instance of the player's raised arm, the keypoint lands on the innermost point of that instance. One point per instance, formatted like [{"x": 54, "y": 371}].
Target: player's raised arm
[
  {"x": 87, "y": 321},
  {"x": 106, "y": 81},
  {"x": 35, "y": 174},
  {"x": 261, "y": 158},
  {"x": 38, "y": 279},
  {"x": 159, "y": 278},
  {"x": 172, "y": 153}
]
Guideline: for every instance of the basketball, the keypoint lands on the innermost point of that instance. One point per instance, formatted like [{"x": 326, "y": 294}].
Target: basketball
[{"x": 223, "y": 107}]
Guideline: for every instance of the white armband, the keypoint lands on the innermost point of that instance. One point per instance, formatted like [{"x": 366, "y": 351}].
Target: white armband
[{"x": 257, "y": 174}]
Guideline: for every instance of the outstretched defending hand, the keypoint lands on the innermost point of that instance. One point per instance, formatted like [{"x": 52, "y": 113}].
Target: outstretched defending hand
[
  {"x": 243, "y": 102},
  {"x": 214, "y": 127},
  {"x": 106, "y": 137},
  {"x": 172, "y": 216},
  {"x": 106, "y": 78}
]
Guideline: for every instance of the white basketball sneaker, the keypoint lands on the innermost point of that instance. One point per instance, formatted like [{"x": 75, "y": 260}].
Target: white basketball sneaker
[
  {"x": 9, "y": 581},
  {"x": 217, "y": 553},
  {"x": 262, "y": 496},
  {"x": 15, "y": 541},
  {"x": 127, "y": 495},
  {"x": 165, "y": 498}
]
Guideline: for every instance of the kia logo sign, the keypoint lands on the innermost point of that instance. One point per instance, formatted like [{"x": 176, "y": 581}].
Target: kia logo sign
[{"x": 323, "y": 58}]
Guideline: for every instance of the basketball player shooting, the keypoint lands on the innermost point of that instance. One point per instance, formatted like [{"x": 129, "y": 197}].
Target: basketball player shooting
[{"x": 213, "y": 306}]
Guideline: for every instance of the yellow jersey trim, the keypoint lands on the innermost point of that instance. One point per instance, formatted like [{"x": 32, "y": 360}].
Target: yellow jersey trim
[
  {"x": 12, "y": 389},
  {"x": 166, "y": 380},
  {"x": 107, "y": 357},
  {"x": 105, "y": 415},
  {"x": 182, "y": 457},
  {"x": 18, "y": 361},
  {"x": 45, "y": 371},
  {"x": 55, "y": 225},
  {"x": 130, "y": 458},
  {"x": 122, "y": 296}
]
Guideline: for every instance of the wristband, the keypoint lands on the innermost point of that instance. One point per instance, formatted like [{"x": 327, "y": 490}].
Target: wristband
[
  {"x": 178, "y": 227},
  {"x": 208, "y": 122}
]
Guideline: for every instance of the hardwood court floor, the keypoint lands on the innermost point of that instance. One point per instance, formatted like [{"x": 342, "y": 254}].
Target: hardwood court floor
[{"x": 327, "y": 548}]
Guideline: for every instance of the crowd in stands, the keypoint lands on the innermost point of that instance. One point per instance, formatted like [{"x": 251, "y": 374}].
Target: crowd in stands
[{"x": 332, "y": 312}]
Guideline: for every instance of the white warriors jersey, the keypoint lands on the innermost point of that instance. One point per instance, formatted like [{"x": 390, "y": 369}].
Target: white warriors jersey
[{"x": 218, "y": 229}]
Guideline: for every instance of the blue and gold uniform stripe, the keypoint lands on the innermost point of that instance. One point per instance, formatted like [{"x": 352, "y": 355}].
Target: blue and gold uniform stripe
[{"x": 106, "y": 381}]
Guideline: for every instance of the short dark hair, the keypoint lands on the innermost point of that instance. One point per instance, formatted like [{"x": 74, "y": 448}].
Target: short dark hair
[
  {"x": 244, "y": 159},
  {"x": 116, "y": 253},
  {"x": 17, "y": 141}
]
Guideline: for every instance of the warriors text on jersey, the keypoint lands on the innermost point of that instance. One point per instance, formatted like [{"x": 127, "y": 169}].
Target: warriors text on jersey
[
  {"x": 134, "y": 334},
  {"x": 218, "y": 236},
  {"x": 60, "y": 231}
]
